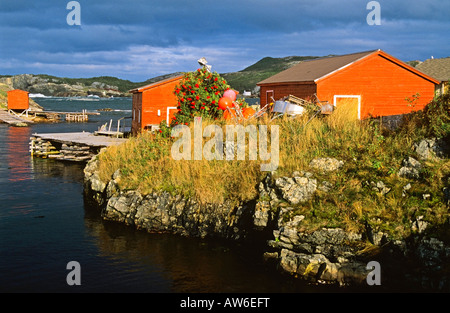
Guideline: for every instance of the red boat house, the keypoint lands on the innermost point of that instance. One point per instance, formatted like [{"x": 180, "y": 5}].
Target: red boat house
[
  {"x": 154, "y": 103},
  {"x": 376, "y": 82}
]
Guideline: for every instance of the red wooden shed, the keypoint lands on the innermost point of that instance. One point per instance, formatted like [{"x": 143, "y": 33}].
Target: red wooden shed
[
  {"x": 375, "y": 81},
  {"x": 154, "y": 103},
  {"x": 18, "y": 100}
]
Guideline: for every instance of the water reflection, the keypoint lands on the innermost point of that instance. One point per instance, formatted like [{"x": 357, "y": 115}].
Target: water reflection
[
  {"x": 17, "y": 154},
  {"x": 189, "y": 264},
  {"x": 45, "y": 223}
]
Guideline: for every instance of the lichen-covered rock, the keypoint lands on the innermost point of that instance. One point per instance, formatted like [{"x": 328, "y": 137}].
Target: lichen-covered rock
[
  {"x": 410, "y": 168},
  {"x": 432, "y": 149},
  {"x": 326, "y": 164}
]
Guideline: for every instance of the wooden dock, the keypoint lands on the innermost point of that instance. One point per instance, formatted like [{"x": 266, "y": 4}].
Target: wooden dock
[
  {"x": 82, "y": 116},
  {"x": 79, "y": 146},
  {"x": 12, "y": 119}
]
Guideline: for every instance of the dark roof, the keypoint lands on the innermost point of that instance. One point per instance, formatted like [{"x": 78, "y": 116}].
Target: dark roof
[
  {"x": 311, "y": 70},
  {"x": 437, "y": 68},
  {"x": 157, "y": 83}
]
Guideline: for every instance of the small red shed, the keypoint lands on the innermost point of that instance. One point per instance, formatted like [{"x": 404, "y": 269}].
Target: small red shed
[
  {"x": 18, "y": 100},
  {"x": 154, "y": 103},
  {"x": 375, "y": 81}
]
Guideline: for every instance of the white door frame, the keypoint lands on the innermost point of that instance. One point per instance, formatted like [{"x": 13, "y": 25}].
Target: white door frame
[
  {"x": 350, "y": 96},
  {"x": 167, "y": 116},
  {"x": 267, "y": 95}
]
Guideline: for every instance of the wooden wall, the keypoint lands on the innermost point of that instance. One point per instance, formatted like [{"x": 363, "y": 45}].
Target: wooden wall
[
  {"x": 382, "y": 85},
  {"x": 18, "y": 100},
  {"x": 301, "y": 90},
  {"x": 152, "y": 103}
]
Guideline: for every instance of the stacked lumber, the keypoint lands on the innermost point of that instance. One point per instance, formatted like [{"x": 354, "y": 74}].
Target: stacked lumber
[
  {"x": 42, "y": 148},
  {"x": 66, "y": 152},
  {"x": 75, "y": 152}
]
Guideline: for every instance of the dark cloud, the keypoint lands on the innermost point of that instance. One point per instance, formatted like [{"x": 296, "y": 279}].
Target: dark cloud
[{"x": 138, "y": 39}]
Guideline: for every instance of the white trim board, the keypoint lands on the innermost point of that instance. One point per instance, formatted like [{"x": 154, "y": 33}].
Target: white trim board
[{"x": 167, "y": 115}]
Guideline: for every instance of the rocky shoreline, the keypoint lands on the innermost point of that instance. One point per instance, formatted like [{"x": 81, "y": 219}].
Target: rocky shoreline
[
  {"x": 54, "y": 87},
  {"x": 323, "y": 256}
]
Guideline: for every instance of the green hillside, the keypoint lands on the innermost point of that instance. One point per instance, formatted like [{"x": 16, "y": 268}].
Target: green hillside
[
  {"x": 264, "y": 68},
  {"x": 245, "y": 79}
]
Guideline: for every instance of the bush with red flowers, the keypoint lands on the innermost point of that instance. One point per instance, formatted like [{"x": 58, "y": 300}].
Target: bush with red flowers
[{"x": 198, "y": 94}]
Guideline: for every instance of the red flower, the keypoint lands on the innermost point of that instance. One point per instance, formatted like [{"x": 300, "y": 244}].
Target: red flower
[
  {"x": 197, "y": 85},
  {"x": 215, "y": 79},
  {"x": 160, "y": 131},
  {"x": 208, "y": 97},
  {"x": 197, "y": 97}
]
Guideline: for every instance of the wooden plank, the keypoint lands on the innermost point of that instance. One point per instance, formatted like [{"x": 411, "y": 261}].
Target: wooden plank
[
  {"x": 11, "y": 119},
  {"x": 83, "y": 138}
]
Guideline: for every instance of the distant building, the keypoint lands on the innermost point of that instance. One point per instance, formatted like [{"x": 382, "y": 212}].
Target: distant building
[
  {"x": 18, "y": 100},
  {"x": 154, "y": 103},
  {"x": 439, "y": 69},
  {"x": 374, "y": 81}
]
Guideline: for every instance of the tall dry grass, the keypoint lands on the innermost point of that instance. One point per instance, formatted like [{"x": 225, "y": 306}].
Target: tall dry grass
[
  {"x": 369, "y": 154},
  {"x": 147, "y": 165}
]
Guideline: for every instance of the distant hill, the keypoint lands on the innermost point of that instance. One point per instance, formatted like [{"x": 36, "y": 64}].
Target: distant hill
[
  {"x": 107, "y": 86},
  {"x": 247, "y": 78},
  {"x": 103, "y": 86}
]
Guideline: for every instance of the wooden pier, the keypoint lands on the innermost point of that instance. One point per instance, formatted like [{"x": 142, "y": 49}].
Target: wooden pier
[
  {"x": 82, "y": 116},
  {"x": 79, "y": 147},
  {"x": 12, "y": 119}
]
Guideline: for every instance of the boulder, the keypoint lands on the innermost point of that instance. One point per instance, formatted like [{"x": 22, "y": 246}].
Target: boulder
[
  {"x": 432, "y": 149},
  {"x": 326, "y": 164}
]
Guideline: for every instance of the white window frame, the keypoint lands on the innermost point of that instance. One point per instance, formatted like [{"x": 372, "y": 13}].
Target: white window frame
[
  {"x": 167, "y": 115},
  {"x": 350, "y": 96}
]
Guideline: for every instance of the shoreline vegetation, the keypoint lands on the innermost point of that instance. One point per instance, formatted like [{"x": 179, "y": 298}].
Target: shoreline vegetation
[
  {"x": 373, "y": 186},
  {"x": 346, "y": 192}
]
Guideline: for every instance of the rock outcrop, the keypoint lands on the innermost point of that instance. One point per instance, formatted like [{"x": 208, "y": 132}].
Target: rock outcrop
[
  {"x": 57, "y": 88},
  {"x": 326, "y": 255}
]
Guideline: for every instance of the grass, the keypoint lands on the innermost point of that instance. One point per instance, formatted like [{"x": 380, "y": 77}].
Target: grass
[{"x": 370, "y": 154}]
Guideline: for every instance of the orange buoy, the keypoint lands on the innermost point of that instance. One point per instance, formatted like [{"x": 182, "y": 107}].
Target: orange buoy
[
  {"x": 225, "y": 103},
  {"x": 248, "y": 112}
]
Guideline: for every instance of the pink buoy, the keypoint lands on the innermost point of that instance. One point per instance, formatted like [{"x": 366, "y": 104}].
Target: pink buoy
[{"x": 230, "y": 94}]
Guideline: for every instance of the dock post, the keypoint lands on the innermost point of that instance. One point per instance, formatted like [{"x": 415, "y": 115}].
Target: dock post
[{"x": 32, "y": 146}]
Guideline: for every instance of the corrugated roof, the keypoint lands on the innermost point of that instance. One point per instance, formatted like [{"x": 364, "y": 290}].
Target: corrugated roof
[
  {"x": 311, "y": 70},
  {"x": 437, "y": 68}
]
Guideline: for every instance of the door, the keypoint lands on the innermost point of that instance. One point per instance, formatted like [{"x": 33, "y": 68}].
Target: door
[
  {"x": 269, "y": 96},
  {"x": 349, "y": 105}
]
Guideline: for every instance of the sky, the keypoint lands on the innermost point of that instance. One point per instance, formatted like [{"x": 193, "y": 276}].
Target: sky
[{"x": 141, "y": 39}]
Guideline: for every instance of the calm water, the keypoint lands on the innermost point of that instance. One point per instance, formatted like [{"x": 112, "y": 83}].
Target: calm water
[{"x": 44, "y": 224}]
